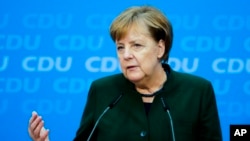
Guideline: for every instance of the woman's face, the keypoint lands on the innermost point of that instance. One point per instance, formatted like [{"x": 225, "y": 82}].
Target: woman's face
[{"x": 139, "y": 55}]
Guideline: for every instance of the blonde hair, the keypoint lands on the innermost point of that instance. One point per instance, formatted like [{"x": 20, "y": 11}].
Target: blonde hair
[{"x": 158, "y": 26}]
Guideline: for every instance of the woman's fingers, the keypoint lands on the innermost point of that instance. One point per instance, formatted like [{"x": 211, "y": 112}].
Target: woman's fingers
[
  {"x": 38, "y": 128},
  {"x": 33, "y": 122},
  {"x": 33, "y": 118},
  {"x": 44, "y": 134},
  {"x": 36, "y": 123}
]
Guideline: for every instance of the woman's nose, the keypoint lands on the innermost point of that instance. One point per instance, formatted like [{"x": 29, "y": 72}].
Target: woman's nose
[{"x": 127, "y": 54}]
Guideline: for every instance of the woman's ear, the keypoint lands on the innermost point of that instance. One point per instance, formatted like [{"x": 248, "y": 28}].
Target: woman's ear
[{"x": 161, "y": 48}]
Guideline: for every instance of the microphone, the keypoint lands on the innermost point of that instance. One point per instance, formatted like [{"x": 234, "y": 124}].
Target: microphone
[
  {"x": 110, "y": 106},
  {"x": 166, "y": 109}
]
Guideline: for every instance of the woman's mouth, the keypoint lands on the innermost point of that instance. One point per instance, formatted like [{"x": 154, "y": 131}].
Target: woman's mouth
[{"x": 131, "y": 67}]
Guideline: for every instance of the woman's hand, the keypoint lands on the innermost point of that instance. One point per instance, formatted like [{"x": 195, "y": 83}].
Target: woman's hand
[{"x": 36, "y": 128}]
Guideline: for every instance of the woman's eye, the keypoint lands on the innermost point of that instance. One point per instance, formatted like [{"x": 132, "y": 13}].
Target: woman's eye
[
  {"x": 137, "y": 45},
  {"x": 119, "y": 48}
]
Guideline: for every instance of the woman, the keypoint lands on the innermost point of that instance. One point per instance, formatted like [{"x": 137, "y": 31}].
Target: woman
[{"x": 156, "y": 103}]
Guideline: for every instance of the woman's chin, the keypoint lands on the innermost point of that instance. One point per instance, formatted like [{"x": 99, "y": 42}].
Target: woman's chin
[{"x": 134, "y": 78}]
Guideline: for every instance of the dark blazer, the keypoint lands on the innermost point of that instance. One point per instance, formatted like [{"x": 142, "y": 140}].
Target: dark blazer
[{"x": 192, "y": 105}]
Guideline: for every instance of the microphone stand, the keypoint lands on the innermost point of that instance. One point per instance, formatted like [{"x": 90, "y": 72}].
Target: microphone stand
[
  {"x": 166, "y": 109},
  {"x": 111, "y": 105},
  {"x": 98, "y": 122}
]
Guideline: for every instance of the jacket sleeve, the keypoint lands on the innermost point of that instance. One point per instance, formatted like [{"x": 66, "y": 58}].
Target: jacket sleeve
[
  {"x": 87, "y": 120},
  {"x": 209, "y": 124}
]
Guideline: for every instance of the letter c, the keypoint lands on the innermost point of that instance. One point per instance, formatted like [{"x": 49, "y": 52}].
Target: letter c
[
  {"x": 216, "y": 67},
  {"x": 89, "y": 63},
  {"x": 26, "y": 61}
]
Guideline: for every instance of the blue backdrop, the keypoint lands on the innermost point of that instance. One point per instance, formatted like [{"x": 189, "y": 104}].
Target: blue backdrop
[{"x": 50, "y": 52}]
